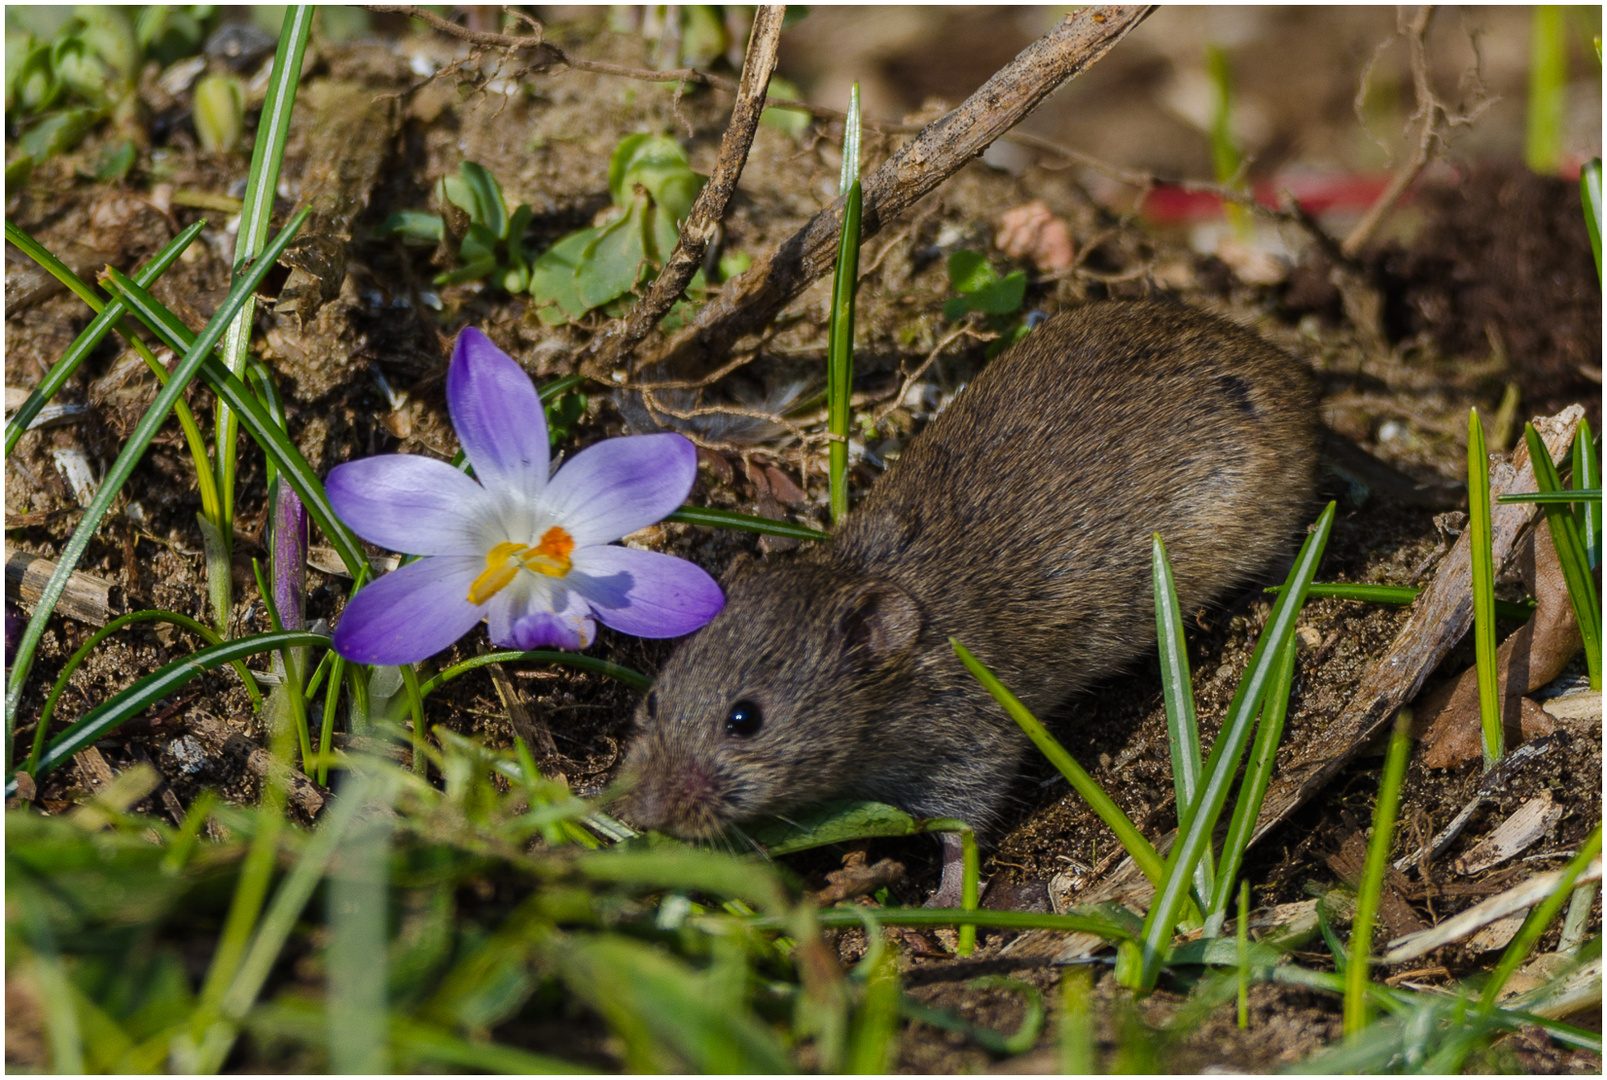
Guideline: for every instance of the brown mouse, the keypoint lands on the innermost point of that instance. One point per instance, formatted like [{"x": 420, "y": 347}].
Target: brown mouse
[{"x": 1020, "y": 523}]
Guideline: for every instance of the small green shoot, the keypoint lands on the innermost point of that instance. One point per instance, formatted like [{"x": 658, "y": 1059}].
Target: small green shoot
[
  {"x": 1227, "y": 160},
  {"x": 1371, "y": 888},
  {"x": 493, "y": 245},
  {"x": 1548, "y": 88},
  {"x": 1253, "y": 790},
  {"x": 845, "y": 283},
  {"x": 1484, "y": 648},
  {"x": 980, "y": 288},
  {"x": 262, "y": 182},
  {"x": 1571, "y": 554}
]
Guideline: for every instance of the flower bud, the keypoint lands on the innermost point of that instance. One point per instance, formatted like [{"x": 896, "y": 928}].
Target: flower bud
[{"x": 219, "y": 112}]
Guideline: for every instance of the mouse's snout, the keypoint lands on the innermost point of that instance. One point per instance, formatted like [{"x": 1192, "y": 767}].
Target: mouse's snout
[{"x": 675, "y": 793}]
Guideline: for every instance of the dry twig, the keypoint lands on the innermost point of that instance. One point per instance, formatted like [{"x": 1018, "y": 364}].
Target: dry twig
[
  {"x": 1432, "y": 119},
  {"x": 942, "y": 147}
]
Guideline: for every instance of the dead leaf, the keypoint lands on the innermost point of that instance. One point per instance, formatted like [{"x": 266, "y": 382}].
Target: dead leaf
[{"x": 1532, "y": 656}]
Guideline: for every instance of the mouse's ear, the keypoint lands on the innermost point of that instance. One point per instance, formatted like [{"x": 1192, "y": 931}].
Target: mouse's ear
[{"x": 877, "y": 622}]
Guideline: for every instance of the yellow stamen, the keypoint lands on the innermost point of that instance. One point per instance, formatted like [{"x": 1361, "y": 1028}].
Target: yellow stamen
[{"x": 502, "y": 565}]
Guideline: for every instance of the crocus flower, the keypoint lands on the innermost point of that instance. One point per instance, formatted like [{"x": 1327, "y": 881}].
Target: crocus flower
[{"x": 531, "y": 555}]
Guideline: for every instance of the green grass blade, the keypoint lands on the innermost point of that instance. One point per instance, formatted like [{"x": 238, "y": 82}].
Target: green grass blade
[
  {"x": 86, "y": 342},
  {"x": 128, "y": 703},
  {"x": 262, "y": 182},
  {"x": 1177, "y": 691},
  {"x": 1247, "y": 808},
  {"x": 1517, "y": 611},
  {"x": 1079, "y": 1041},
  {"x": 1590, "y": 197},
  {"x": 1569, "y": 496},
  {"x": 116, "y": 476},
  {"x": 730, "y": 519},
  {"x": 357, "y": 956},
  {"x": 1142, "y": 851},
  {"x": 280, "y": 918},
  {"x": 1548, "y": 89},
  {"x": 634, "y": 679},
  {"x": 1172, "y": 894},
  {"x": 1570, "y": 554},
  {"x": 844, "y": 286},
  {"x": 1484, "y": 648},
  {"x": 1359, "y": 964},
  {"x": 1587, "y": 477},
  {"x": 258, "y": 422},
  {"x": 873, "y": 1043}
]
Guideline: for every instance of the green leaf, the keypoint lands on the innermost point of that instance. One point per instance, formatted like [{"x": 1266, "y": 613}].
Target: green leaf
[
  {"x": 57, "y": 133},
  {"x": 831, "y": 823},
  {"x": 490, "y": 210},
  {"x": 1002, "y": 297},
  {"x": 969, "y": 271},
  {"x": 116, "y": 161}
]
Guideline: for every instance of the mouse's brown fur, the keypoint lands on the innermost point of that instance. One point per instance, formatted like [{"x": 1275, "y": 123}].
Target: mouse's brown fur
[{"x": 1019, "y": 523}]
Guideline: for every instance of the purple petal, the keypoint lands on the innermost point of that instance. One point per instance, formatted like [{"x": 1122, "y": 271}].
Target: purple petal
[
  {"x": 544, "y": 630},
  {"x": 540, "y": 618},
  {"x": 645, "y": 593},
  {"x": 498, "y": 417},
  {"x": 409, "y": 503},
  {"x": 411, "y": 613},
  {"x": 620, "y": 485}
]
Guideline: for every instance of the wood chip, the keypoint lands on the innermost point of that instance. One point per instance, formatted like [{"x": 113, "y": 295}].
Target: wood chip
[
  {"x": 1463, "y": 925},
  {"x": 87, "y": 598},
  {"x": 1532, "y": 821}
]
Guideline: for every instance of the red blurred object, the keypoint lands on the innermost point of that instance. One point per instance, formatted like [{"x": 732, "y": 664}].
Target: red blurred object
[{"x": 1317, "y": 194}]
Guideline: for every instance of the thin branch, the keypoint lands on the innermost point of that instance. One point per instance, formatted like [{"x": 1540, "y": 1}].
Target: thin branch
[
  {"x": 1432, "y": 117},
  {"x": 606, "y": 350}
]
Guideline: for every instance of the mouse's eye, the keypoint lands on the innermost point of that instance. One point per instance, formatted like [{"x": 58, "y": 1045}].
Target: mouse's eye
[
  {"x": 744, "y": 719},
  {"x": 652, "y": 705}
]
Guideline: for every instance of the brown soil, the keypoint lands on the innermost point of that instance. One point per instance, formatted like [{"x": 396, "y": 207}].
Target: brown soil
[{"x": 1496, "y": 269}]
